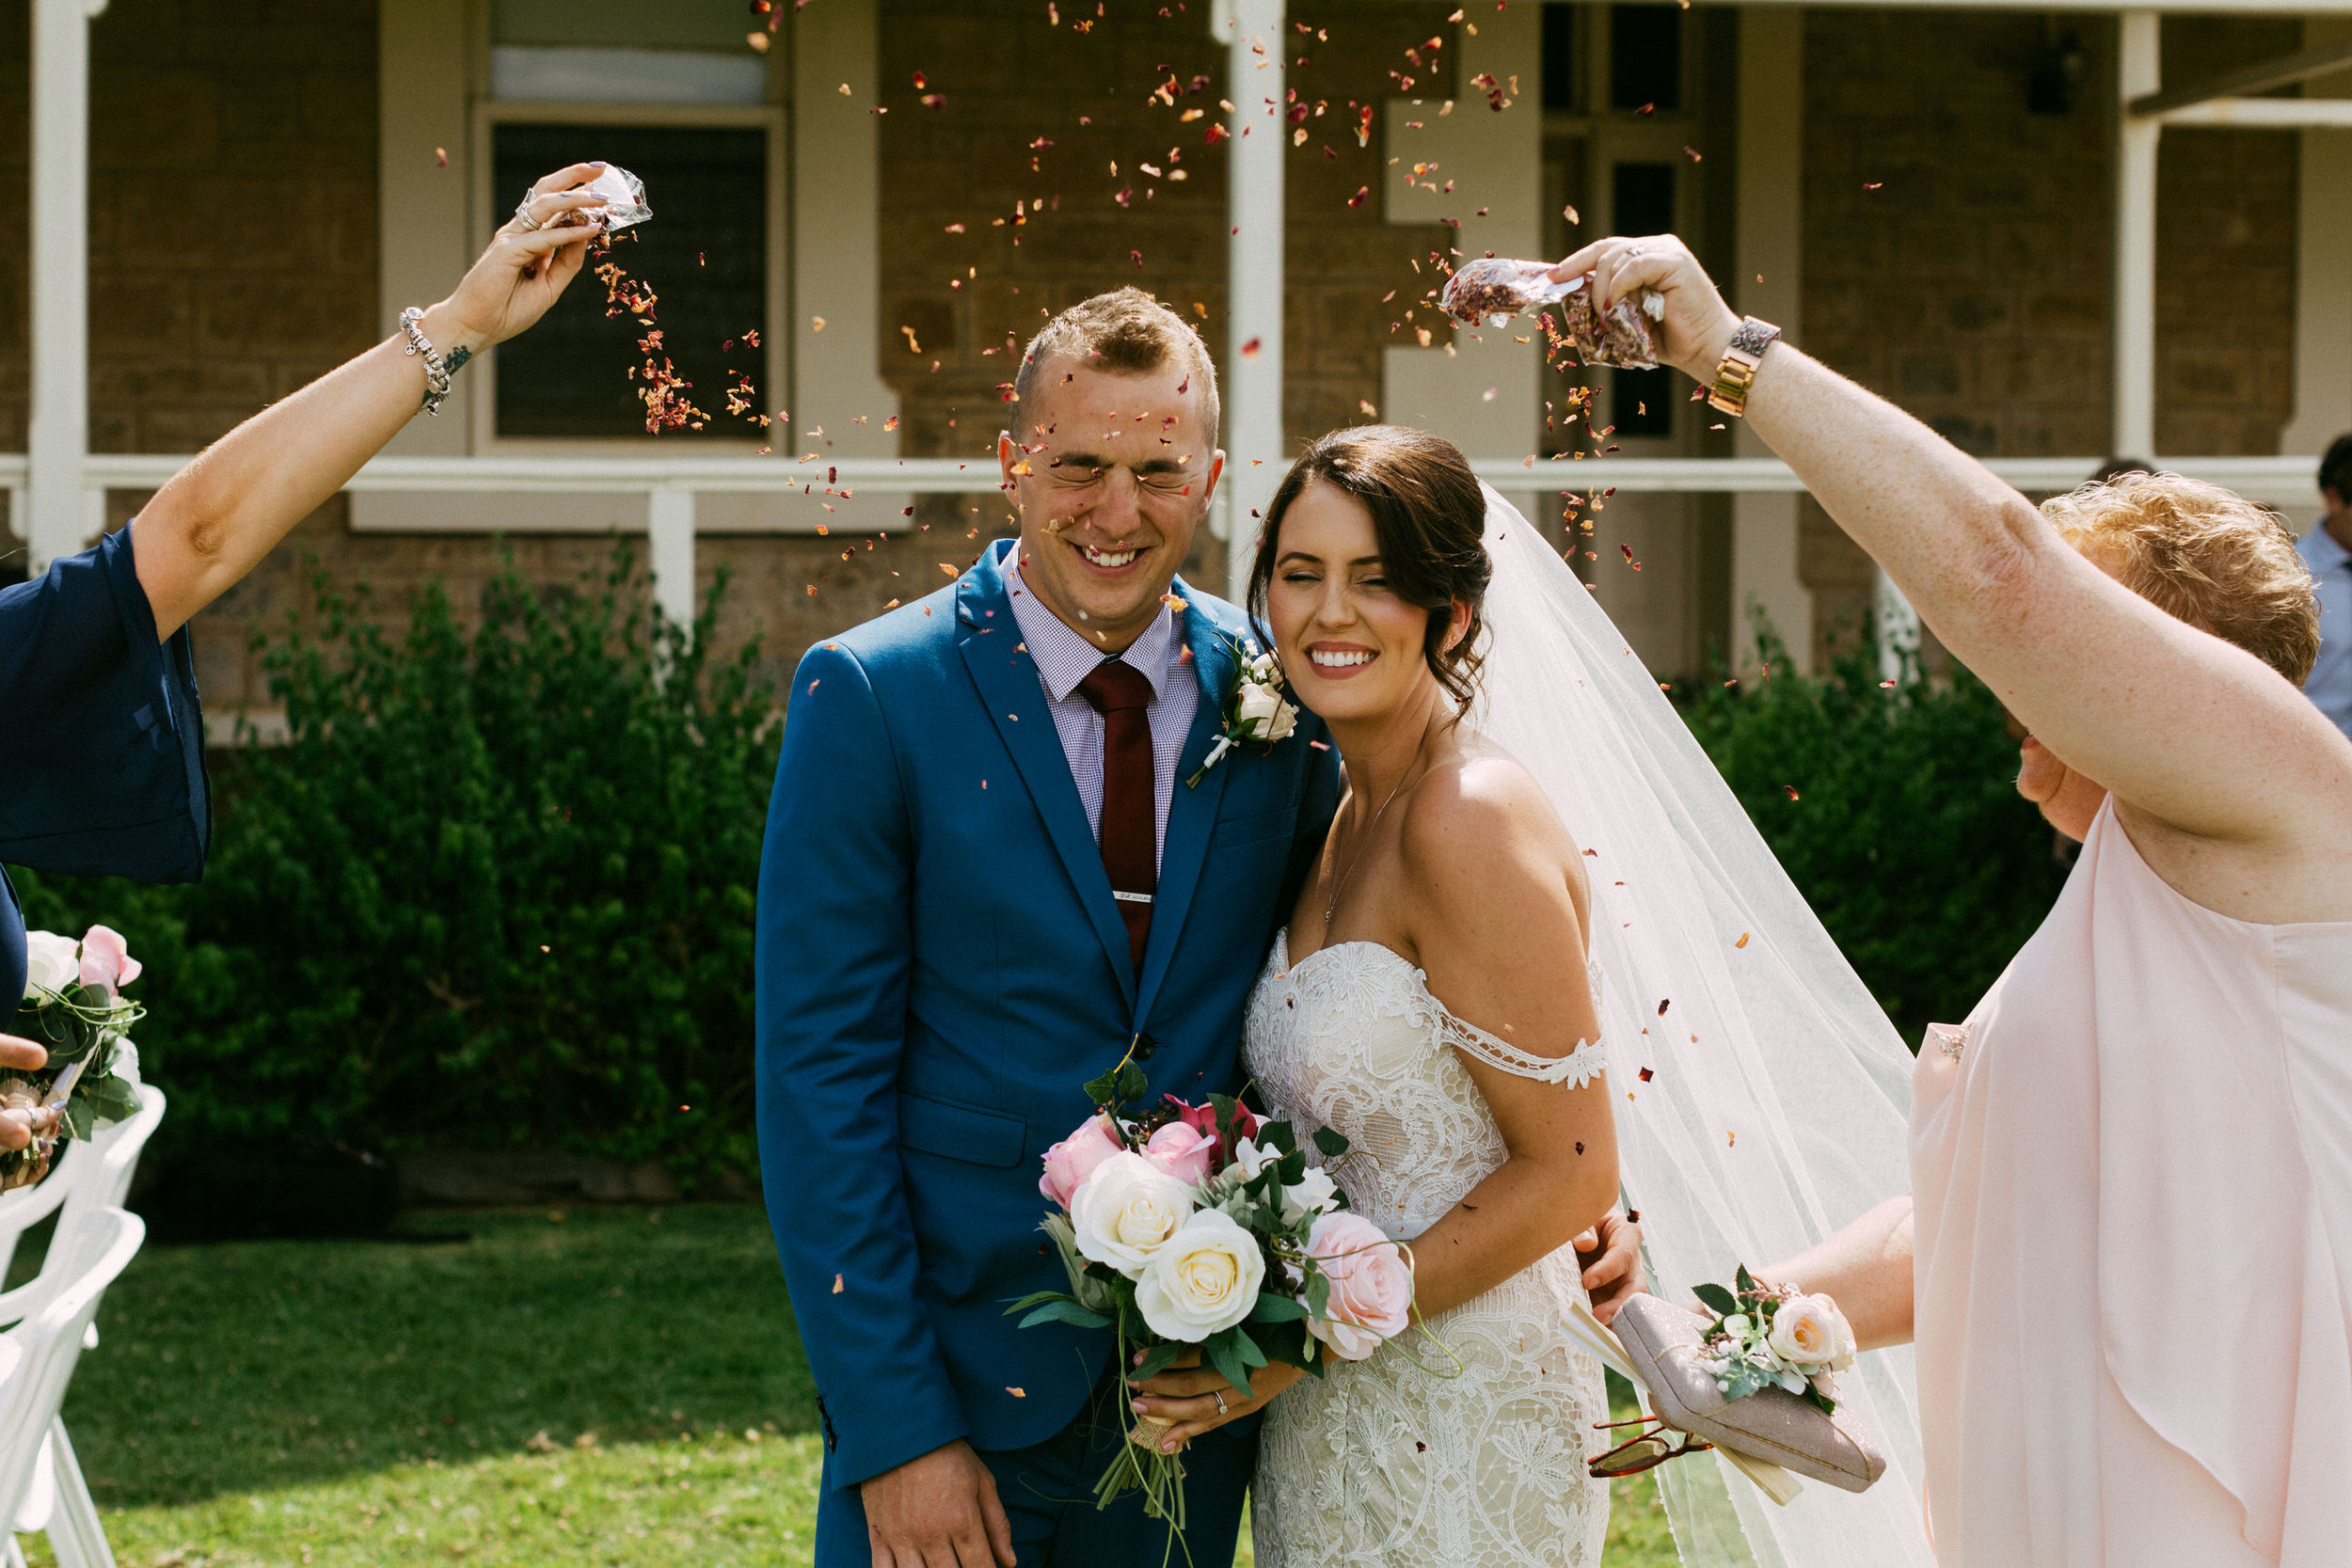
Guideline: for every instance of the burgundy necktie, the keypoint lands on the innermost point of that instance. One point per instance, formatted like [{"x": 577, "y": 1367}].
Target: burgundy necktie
[{"x": 1129, "y": 837}]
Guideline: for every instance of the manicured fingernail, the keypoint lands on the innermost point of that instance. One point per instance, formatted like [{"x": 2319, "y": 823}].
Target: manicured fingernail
[
  {"x": 1167, "y": 1445},
  {"x": 1139, "y": 1407}
]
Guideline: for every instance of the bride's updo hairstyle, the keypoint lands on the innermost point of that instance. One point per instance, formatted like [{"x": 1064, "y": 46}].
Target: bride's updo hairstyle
[{"x": 1428, "y": 514}]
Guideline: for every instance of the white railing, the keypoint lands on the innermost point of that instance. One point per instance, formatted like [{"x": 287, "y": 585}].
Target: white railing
[{"x": 670, "y": 485}]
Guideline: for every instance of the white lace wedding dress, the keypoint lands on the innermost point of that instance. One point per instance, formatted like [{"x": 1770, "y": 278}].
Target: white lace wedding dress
[{"x": 1379, "y": 1462}]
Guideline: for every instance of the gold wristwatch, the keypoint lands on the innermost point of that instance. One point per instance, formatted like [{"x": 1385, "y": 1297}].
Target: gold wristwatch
[{"x": 1737, "y": 373}]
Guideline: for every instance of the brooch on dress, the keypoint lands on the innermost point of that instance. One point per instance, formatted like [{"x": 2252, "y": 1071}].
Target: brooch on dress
[{"x": 1950, "y": 1038}]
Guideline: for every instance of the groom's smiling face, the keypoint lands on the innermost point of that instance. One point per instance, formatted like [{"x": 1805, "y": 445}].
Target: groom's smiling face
[{"x": 1112, "y": 474}]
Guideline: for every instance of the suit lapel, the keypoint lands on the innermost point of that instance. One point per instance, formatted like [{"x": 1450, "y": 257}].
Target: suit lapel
[
  {"x": 1009, "y": 685},
  {"x": 1191, "y": 812}
]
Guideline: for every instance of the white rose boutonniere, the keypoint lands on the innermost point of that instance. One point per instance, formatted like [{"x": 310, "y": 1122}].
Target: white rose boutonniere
[{"x": 1257, "y": 715}]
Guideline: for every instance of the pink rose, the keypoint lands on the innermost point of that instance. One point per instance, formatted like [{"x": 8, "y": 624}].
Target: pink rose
[
  {"x": 1068, "y": 1163},
  {"x": 106, "y": 960},
  {"x": 1202, "y": 1119},
  {"x": 1372, "y": 1285},
  {"x": 1181, "y": 1149}
]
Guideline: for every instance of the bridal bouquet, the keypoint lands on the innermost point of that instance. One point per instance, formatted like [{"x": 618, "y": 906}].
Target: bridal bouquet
[
  {"x": 73, "y": 1004},
  {"x": 1773, "y": 1335},
  {"x": 1201, "y": 1228}
]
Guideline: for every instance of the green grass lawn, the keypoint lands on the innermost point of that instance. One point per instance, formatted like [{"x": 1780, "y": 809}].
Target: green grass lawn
[{"x": 614, "y": 1387}]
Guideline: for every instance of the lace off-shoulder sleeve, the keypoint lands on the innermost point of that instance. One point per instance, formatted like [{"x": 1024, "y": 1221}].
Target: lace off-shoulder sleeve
[{"x": 1580, "y": 1067}]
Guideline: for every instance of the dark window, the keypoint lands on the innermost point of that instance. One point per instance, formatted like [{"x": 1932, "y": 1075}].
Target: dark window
[
  {"x": 1640, "y": 403},
  {"x": 1561, "y": 91},
  {"x": 703, "y": 254},
  {"x": 1645, "y": 56}
]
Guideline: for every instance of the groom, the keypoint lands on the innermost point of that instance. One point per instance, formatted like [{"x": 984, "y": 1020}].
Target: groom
[{"x": 986, "y": 874}]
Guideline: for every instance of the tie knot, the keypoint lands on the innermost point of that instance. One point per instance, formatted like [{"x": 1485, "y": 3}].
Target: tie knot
[{"x": 1114, "y": 685}]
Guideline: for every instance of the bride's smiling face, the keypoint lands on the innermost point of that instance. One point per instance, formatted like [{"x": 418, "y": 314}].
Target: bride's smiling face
[{"x": 1352, "y": 649}]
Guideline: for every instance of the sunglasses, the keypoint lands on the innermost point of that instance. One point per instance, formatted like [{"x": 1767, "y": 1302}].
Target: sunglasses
[{"x": 1655, "y": 1445}]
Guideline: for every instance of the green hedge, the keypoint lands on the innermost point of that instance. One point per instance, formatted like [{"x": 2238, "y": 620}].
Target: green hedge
[
  {"x": 1906, "y": 833},
  {"x": 499, "y": 888}
]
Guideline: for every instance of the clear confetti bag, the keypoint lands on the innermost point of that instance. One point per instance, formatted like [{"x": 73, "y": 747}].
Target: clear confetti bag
[
  {"x": 624, "y": 199},
  {"x": 1492, "y": 288}
]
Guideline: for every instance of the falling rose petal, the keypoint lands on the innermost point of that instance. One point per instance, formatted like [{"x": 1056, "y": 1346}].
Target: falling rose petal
[
  {"x": 1668, "y": 1002},
  {"x": 1249, "y": 350},
  {"x": 1016, "y": 1393},
  {"x": 919, "y": 83},
  {"x": 1791, "y": 790},
  {"x": 837, "y": 1284},
  {"x": 816, "y": 324},
  {"x": 1369, "y": 411},
  {"x": 1645, "y": 1075},
  {"x": 441, "y": 157},
  {"x": 758, "y": 41},
  {"x": 1488, "y": 395},
  {"x": 1744, "y": 939}
]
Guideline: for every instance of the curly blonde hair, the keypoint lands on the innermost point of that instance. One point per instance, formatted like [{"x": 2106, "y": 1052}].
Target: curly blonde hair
[{"x": 2204, "y": 556}]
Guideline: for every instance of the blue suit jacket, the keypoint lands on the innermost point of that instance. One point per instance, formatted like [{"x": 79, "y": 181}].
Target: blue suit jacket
[{"x": 942, "y": 966}]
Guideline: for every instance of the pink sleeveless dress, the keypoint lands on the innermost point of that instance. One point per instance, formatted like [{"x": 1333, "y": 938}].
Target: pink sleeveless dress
[{"x": 2133, "y": 1176}]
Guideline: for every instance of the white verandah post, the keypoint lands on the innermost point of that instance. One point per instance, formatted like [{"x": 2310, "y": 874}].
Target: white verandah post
[
  {"x": 1252, "y": 370},
  {"x": 58, "y": 517},
  {"x": 2139, "y": 67}
]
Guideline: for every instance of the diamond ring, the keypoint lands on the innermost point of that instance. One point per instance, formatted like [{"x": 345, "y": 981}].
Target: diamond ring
[
  {"x": 522, "y": 211},
  {"x": 1220, "y": 1406}
]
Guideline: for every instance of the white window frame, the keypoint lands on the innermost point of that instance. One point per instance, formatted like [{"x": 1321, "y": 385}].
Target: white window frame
[{"x": 775, "y": 365}]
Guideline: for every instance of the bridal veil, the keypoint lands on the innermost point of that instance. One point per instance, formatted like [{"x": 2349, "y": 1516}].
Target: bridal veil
[{"x": 1765, "y": 1097}]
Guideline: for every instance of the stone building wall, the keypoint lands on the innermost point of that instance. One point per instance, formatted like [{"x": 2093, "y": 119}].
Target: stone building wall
[
  {"x": 1043, "y": 238},
  {"x": 234, "y": 253},
  {"x": 1957, "y": 249}
]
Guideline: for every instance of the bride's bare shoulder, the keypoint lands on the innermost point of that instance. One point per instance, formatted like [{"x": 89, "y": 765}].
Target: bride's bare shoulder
[{"x": 1481, "y": 820}]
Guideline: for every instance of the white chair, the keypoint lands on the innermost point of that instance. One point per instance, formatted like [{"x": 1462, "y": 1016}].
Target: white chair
[
  {"x": 90, "y": 1180},
  {"x": 40, "y": 1485},
  {"x": 96, "y": 1173}
]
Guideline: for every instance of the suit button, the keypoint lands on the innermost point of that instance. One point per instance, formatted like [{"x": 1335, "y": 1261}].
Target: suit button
[{"x": 1145, "y": 1048}]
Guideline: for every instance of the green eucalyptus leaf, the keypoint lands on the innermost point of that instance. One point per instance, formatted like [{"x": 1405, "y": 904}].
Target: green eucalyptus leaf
[
  {"x": 1272, "y": 1308},
  {"x": 1157, "y": 1360},
  {"x": 1065, "y": 1312},
  {"x": 1220, "y": 1351}
]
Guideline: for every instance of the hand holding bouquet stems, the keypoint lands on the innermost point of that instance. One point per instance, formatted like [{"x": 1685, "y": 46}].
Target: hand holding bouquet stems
[
  {"x": 1202, "y": 1237},
  {"x": 75, "y": 1019}
]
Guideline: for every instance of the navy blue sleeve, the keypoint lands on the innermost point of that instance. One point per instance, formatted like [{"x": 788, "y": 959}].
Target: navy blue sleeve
[
  {"x": 101, "y": 740},
  {"x": 836, "y": 951}
]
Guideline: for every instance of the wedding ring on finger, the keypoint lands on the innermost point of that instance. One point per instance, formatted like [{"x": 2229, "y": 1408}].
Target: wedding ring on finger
[
  {"x": 522, "y": 211},
  {"x": 1221, "y": 1410}
]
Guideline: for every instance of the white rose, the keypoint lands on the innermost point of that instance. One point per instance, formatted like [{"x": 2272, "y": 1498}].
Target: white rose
[
  {"x": 1259, "y": 705},
  {"x": 53, "y": 963},
  {"x": 1315, "y": 1194},
  {"x": 1810, "y": 1331},
  {"x": 1285, "y": 720},
  {"x": 1202, "y": 1280},
  {"x": 1125, "y": 1210},
  {"x": 125, "y": 1063}
]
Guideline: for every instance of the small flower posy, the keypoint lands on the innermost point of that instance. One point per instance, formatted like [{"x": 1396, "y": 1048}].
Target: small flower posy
[
  {"x": 1775, "y": 1336},
  {"x": 1256, "y": 713},
  {"x": 73, "y": 1005}
]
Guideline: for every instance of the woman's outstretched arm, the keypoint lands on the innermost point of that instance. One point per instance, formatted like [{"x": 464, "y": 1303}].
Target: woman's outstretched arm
[
  {"x": 218, "y": 517},
  {"x": 1866, "y": 1267},
  {"x": 2196, "y": 732}
]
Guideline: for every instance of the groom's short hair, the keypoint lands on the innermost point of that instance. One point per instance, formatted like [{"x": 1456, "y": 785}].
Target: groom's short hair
[{"x": 1125, "y": 332}]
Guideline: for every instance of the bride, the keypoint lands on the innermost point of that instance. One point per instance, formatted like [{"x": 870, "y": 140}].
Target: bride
[{"x": 1512, "y": 834}]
